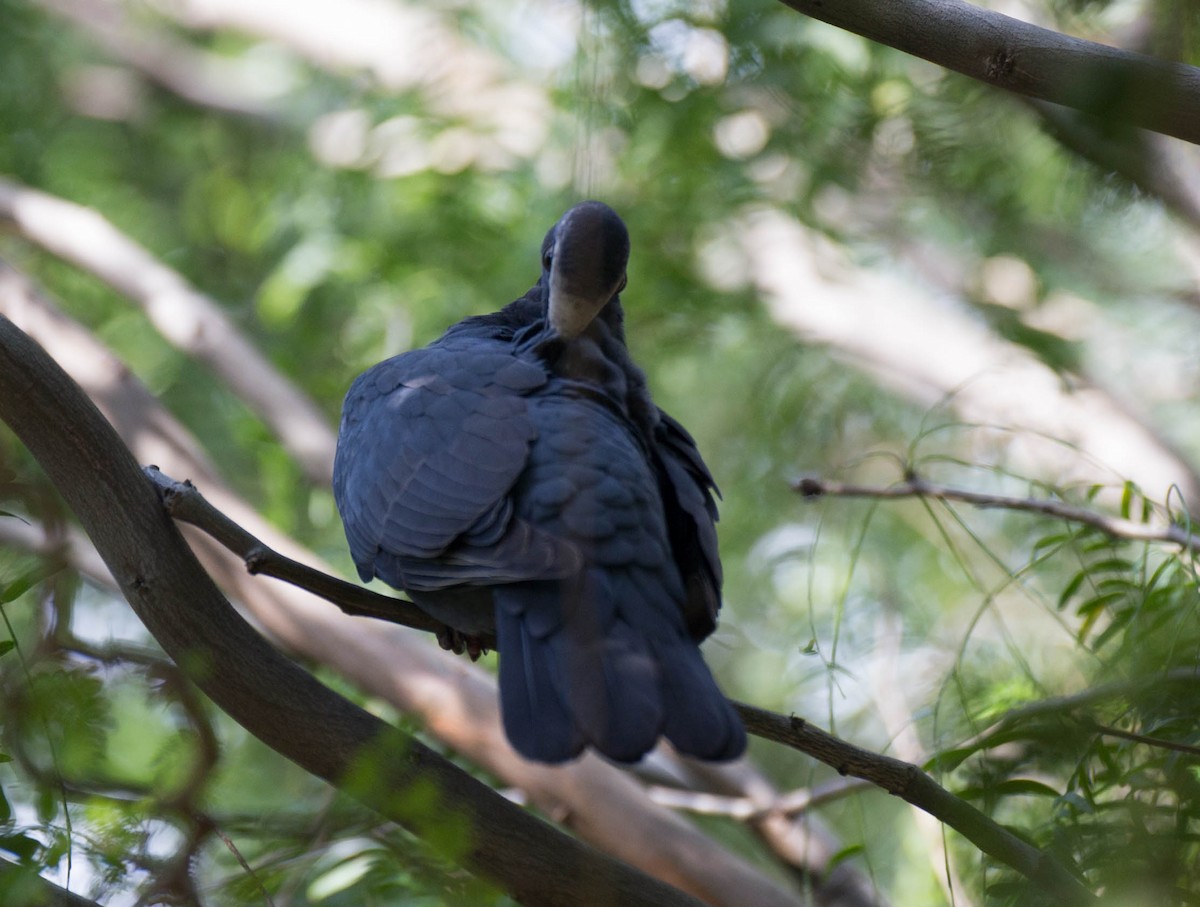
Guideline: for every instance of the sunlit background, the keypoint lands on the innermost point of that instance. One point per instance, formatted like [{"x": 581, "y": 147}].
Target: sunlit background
[{"x": 846, "y": 262}]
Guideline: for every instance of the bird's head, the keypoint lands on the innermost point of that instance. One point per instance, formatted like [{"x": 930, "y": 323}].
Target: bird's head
[{"x": 583, "y": 263}]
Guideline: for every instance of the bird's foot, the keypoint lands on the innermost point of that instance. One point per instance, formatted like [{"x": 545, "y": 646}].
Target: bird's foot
[{"x": 458, "y": 643}]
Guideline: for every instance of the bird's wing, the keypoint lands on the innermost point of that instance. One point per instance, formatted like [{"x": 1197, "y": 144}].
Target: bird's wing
[
  {"x": 688, "y": 488},
  {"x": 605, "y": 656},
  {"x": 430, "y": 445}
]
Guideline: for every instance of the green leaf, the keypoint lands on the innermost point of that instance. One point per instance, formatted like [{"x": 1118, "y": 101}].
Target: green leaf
[
  {"x": 1111, "y": 565},
  {"x": 1071, "y": 588},
  {"x": 1024, "y": 787},
  {"x": 339, "y": 878},
  {"x": 1050, "y": 541},
  {"x": 1128, "y": 490},
  {"x": 845, "y": 854},
  {"x": 6, "y": 646},
  {"x": 1119, "y": 622},
  {"x": 22, "y": 846},
  {"x": 949, "y": 760},
  {"x": 25, "y": 582},
  {"x": 1078, "y": 802},
  {"x": 1093, "y": 605}
]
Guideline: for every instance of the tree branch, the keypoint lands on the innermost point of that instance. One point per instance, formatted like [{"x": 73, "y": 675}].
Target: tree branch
[
  {"x": 184, "y": 316},
  {"x": 270, "y": 696},
  {"x": 456, "y": 701},
  {"x": 200, "y": 78},
  {"x": 799, "y": 837},
  {"x": 1150, "y": 162},
  {"x": 916, "y": 787},
  {"x": 745, "y": 809},
  {"x": 896, "y": 777},
  {"x": 881, "y": 324},
  {"x": 1114, "y": 527},
  {"x": 1157, "y": 742},
  {"x": 1117, "y": 86},
  {"x": 185, "y": 503}
]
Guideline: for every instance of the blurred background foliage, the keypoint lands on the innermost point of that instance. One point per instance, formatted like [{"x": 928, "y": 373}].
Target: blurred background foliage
[{"x": 349, "y": 210}]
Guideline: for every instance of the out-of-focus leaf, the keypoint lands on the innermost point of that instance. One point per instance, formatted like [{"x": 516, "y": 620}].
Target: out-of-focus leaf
[
  {"x": 26, "y": 581},
  {"x": 20, "y": 845}
]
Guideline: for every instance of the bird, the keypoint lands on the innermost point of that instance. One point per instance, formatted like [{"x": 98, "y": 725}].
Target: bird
[{"x": 516, "y": 479}]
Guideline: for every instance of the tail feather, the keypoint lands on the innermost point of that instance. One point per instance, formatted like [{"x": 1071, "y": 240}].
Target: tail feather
[
  {"x": 700, "y": 721},
  {"x": 536, "y": 719},
  {"x": 575, "y": 671},
  {"x": 613, "y": 692}
]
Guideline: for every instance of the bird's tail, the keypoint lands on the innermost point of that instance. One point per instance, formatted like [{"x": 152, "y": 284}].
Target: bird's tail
[{"x": 576, "y": 671}]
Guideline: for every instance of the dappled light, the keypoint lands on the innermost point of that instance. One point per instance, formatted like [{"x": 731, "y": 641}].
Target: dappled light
[{"x": 926, "y": 300}]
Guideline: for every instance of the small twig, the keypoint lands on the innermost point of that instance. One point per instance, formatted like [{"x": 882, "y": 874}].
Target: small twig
[
  {"x": 744, "y": 809},
  {"x": 1069, "y": 705},
  {"x": 185, "y": 503},
  {"x": 246, "y": 867},
  {"x": 914, "y": 487},
  {"x": 1109, "y": 731},
  {"x": 908, "y": 782}
]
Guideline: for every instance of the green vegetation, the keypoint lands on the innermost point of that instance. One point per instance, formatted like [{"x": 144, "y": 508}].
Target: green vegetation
[{"x": 846, "y": 262}]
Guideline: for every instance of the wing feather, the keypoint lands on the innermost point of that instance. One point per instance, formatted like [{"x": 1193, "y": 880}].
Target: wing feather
[{"x": 431, "y": 444}]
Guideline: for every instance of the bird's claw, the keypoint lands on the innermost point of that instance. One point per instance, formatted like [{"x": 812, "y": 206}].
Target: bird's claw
[{"x": 453, "y": 641}]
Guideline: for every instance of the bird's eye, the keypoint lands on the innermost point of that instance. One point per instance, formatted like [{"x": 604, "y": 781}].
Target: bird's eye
[
  {"x": 624, "y": 280},
  {"x": 547, "y": 258}
]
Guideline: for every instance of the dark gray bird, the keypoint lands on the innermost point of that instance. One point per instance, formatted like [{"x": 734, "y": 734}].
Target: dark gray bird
[{"x": 515, "y": 477}]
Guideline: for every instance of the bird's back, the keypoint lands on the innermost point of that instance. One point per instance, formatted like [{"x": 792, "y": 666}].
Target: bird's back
[{"x": 514, "y": 480}]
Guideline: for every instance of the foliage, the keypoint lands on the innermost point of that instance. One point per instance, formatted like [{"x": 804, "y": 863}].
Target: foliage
[{"x": 1045, "y": 671}]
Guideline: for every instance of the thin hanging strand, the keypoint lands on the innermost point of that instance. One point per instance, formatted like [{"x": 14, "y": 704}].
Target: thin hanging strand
[{"x": 587, "y": 90}]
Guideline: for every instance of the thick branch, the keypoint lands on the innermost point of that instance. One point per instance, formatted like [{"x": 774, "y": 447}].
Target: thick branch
[
  {"x": 1115, "y": 85},
  {"x": 269, "y": 695},
  {"x": 456, "y": 702},
  {"x": 911, "y": 784},
  {"x": 1114, "y": 527},
  {"x": 894, "y": 776}
]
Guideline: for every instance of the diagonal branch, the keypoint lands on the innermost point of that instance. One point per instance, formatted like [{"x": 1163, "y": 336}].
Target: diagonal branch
[
  {"x": 455, "y": 701},
  {"x": 187, "y": 318},
  {"x": 202, "y": 78},
  {"x": 1118, "y": 86},
  {"x": 908, "y": 782},
  {"x": 185, "y": 503},
  {"x": 915, "y": 487},
  {"x": 269, "y": 695},
  {"x": 896, "y": 777}
]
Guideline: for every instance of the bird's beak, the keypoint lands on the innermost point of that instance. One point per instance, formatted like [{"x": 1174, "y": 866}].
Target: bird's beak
[{"x": 589, "y": 252}]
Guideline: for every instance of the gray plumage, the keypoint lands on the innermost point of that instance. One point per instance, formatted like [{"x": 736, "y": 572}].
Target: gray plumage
[{"x": 515, "y": 477}]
